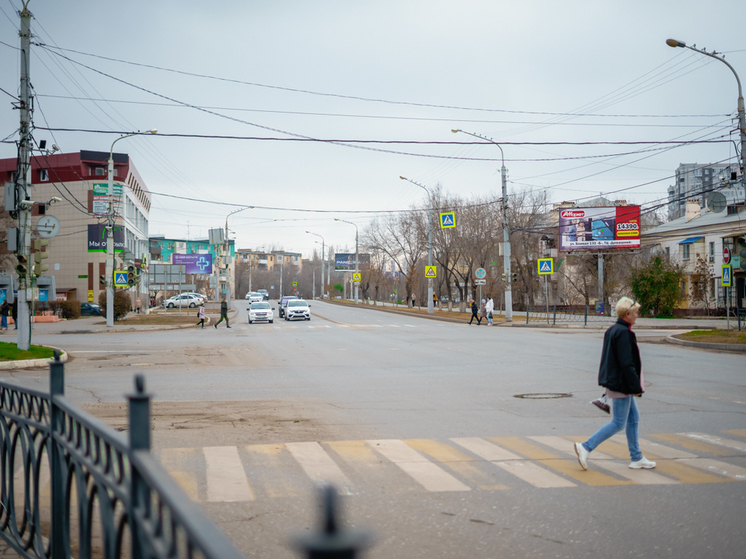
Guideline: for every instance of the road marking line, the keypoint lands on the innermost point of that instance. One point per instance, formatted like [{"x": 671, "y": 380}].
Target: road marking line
[
  {"x": 463, "y": 464},
  {"x": 715, "y": 466},
  {"x": 687, "y": 474},
  {"x": 173, "y": 460},
  {"x": 737, "y": 432},
  {"x": 657, "y": 450},
  {"x": 728, "y": 443},
  {"x": 697, "y": 446},
  {"x": 424, "y": 472},
  {"x": 319, "y": 466},
  {"x": 643, "y": 477},
  {"x": 226, "y": 477},
  {"x": 534, "y": 474},
  {"x": 485, "y": 449},
  {"x": 570, "y": 468},
  {"x": 265, "y": 462}
]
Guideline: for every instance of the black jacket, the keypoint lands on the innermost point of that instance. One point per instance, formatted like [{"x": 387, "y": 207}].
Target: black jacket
[{"x": 620, "y": 360}]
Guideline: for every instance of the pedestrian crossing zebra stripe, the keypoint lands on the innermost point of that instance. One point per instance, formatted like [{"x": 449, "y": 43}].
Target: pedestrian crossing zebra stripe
[{"x": 457, "y": 465}]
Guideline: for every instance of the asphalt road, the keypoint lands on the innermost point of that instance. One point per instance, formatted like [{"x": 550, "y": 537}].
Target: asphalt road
[{"x": 441, "y": 436}]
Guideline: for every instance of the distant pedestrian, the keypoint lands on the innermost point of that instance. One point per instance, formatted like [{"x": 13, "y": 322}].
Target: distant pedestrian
[
  {"x": 138, "y": 305},
  {"x": 489, "y": 307},
  {"x": 413, "y": 300},
  {"x": 620, "y": 373},
  {"x": 4, "y": 314},
  {"x": 435, "y": 300},
  {"x": 475, "y": 313},
  {"x": 223, "y": 314},
  {"x": 201, "y": 315},
  {"x": 483, "y": 309},
  {"x": 14, "y": 314}
]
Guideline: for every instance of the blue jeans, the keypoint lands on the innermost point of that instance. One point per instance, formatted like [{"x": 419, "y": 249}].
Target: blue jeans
[
  {"x": 4, "y": 322},
  {"x": 625, "y": 415}
]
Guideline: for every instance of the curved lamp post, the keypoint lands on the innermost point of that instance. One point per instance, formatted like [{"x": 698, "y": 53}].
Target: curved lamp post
[
  {"x": 110, "y": 231},
  {"x": 430, "y": 305},
  {"x": 323, "y": 246},
  {"x": 356, "y": 254},
  {"x": 506, "y": 229},
  {"x": 741, "y": 112},
  {"x": 226, "y": 248}
]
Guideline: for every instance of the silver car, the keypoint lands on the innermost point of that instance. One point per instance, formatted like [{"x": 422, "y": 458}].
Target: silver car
[
  {"x": 183, "y": 300},
  {"x": 297, "y": 309}
]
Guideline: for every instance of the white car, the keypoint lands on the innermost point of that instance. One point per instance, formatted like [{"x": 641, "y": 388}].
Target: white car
[
  {"x": 198, "y": 295},
  {"x": 253, "y": 297},
  {"x": 183, "y": 300},
  {"x": 297, "y": 309},
  {"x": 261, "y": 310}
]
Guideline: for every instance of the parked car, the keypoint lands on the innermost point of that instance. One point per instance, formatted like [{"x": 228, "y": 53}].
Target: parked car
[
  {"x": 90, "y": 309},
  {"x": 254, "y": 297},
  {"x": 183, "y": 300},
  {"x": 284, "y": 303},
  {"x": 298, "y": 309},
  {"x": 264, "y": 293},
  {"x": 261, "y": 310},
  {"x": 202, "y": 297}
]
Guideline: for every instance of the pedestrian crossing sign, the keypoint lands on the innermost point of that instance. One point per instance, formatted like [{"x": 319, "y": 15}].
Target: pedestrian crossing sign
[
  {"x": 356, "y": 276},
  {"x": 546, "y": 266},
  {"x": 726, "y": 276},
  {"x": 120, "y": 278},
  {"x": 431, "y": 271},
  {"x": 447, "y": 220}
]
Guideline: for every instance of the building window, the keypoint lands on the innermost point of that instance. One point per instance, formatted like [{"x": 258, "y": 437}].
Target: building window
[
  {"x": 668, "y": 252},
  {"x": 712, "y": 251},
  {"x": 100, "y": 171},
  {"x": 683, "y": 289},
  {"x": 686, "y": 251},
  {"x": 43, "y": 175},
  {"x": 698, "y": 172}
]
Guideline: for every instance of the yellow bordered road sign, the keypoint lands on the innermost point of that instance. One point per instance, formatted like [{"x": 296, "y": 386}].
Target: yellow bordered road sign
[
  {"x": 447, "y": 220},
  {"x": 546, "y": 266},
  {"x": 120, "y": 278},
  {"x": 356, "y": 276},
  {"x": 431, "y": 271},
  {"x": 726, "y": 278}
]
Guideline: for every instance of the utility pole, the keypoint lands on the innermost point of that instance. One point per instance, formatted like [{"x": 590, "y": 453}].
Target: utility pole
[{"x": 23, "y": 182}]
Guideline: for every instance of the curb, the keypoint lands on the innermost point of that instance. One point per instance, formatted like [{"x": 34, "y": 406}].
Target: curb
[
  {"x": 703, "y": 345},
  {"x": 32, "y": 363}
]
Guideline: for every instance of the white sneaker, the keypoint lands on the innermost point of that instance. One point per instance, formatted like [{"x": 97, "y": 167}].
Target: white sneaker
[
  {"x": 582, "y": 455},
  {"x": 642, "y": 463}
]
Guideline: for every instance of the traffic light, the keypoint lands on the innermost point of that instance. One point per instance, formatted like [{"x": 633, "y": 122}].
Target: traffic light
[
  {"x": 741, "y": 250},
  {"x": 132, "y": 276},
  {"x": 102, "y": 281},
  {"x": 41, "y": 254},
  {"x": 514, "y": 277},
  {"x": 22, "y": 266}
]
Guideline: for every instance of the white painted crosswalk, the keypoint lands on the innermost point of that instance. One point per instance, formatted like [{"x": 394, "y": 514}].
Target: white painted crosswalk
[{"x": 285, "y": 470}]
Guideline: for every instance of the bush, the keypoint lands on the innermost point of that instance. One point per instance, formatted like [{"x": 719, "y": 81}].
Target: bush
[
  {"x": 657, "y": 286},
  {"x": 63, "y": 309},
  {"x": 122, "y": 304}
]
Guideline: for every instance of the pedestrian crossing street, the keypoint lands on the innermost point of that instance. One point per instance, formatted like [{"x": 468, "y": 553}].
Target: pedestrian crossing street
[{"x": 392, "y": 466}]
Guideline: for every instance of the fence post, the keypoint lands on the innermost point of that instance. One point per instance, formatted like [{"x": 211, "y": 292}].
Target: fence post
[
  {"x": 139, "y": 427},
  {"x": 331, "y": 542},
  {"x": 59, "y": 535},
  {"x": 554, "y": 319},
  {"x": 585, "y": 319}
]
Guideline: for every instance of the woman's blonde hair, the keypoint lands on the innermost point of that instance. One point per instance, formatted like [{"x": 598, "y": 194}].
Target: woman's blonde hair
[{"x": 625, "y": 305}]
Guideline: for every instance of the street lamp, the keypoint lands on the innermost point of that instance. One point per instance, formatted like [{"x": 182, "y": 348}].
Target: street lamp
[
  {"x": 110, "y": 231},
  {"x": 226, "y": 247},
  {"x": 741, "y": 112},
  {"x": 323, "y": 246},
  {"x": 356, "y": 255},
  {"x": 430, "y": 305},
  {"x": 506, "y": 229}
]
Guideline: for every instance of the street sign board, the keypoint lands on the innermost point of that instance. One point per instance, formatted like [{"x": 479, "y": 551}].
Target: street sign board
[
  {"x": 726, "y": 255},
  {"x": 431, "y": 271},
  {"x": 546, "y": 266},
  {"x": 356, "y": 276},
  {"x": 120, "y": 278},
  {"x": 447, "y": 220},
  {"x": 295, "y": 284},
  {"x": 480, "y": 282},
  {"x": 726, "y": 279},
  {"x": 480, "y": 273}
]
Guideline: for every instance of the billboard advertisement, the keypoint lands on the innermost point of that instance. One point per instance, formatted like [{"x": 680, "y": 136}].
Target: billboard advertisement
[
  {"x": 194, "y": 263},
  {"x": 345, "y": 261},
  {"x": 97, "y": 238},
  {"x": 594, "y": 229}
]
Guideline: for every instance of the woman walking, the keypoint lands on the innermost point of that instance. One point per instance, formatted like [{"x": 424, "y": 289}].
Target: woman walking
[
  {"x": 474, "y": 313},
  {"x": 490, "y": 307},
  {"x": 201, "y": 315},
  {"x": 621, "y": 374}
]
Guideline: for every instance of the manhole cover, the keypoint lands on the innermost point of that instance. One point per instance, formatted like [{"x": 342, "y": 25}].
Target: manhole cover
[{"x": 543, "y": 395}]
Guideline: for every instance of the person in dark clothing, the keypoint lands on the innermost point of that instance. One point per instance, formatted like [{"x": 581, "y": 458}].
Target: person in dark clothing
[
  {"x": 223, "y": 314},
  {"x": 620, "y": 373},
  {"x": 14, "y": 314},
  {"x": 4, "y": 314},
  {"x": 475, "y": 313}
]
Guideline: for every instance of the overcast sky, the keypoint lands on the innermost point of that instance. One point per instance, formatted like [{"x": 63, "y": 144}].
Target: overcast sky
[{"x": 520, "y": 72}]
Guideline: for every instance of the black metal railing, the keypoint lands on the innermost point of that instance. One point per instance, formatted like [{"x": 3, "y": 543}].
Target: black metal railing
[
  {"x": 564, "y": 314},
  {"x": 71, "y": 486}
]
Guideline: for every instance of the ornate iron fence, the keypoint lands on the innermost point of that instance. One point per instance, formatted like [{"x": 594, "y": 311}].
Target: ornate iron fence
[{"x": 107, "y": 495}]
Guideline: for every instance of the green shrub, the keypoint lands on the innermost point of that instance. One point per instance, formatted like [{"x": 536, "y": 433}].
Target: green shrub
[
  {"x": 65, "y": 309},
  {"x": 122, "y": 304}
]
